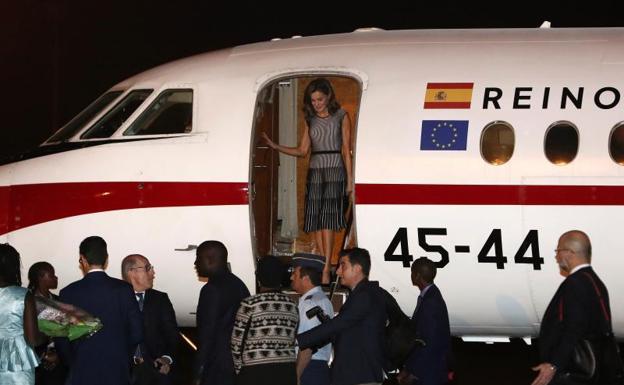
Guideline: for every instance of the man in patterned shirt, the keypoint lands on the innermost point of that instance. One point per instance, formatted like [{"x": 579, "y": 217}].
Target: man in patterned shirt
[
  {"x": 263, "y": 339},
  {"x": 312, "y": 368}
]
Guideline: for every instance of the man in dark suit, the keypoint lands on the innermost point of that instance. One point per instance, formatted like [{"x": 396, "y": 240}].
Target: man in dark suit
[
  {"x": 358, "y": 329},
  {"x": 103, "y": 358},
  {"x": 219, "y": 300},
  {"x": 575, "y": 312},
  {"x": 154, "y": 357},
  {"x": 428, "y": 365}
]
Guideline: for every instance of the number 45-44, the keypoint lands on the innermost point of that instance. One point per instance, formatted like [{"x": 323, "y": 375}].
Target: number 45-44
[{"x": 491, "y": 251}]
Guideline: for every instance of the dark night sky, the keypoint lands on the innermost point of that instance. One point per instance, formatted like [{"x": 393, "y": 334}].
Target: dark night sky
[{"x": 59, "y": 55}]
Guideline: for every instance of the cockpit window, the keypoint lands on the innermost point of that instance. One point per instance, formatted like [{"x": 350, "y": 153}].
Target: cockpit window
[
  {"x": 109, "y": 123},
  {"x": 74, "y": 125},
  {"x": 170, "y": 113}
]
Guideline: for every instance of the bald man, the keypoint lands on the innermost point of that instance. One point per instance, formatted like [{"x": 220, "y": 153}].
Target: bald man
[
  {"x": 575, "y": 312},
  {"x": 153, "y": 360}
]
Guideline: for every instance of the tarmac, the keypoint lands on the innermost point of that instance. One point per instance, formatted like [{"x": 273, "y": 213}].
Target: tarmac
[{"x": 474, "y": 363}]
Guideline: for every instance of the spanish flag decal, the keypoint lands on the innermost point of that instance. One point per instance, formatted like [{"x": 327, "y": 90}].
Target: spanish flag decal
[{"x": 448, "y": 95}]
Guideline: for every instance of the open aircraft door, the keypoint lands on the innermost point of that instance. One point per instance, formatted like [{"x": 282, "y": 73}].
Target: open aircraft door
[{"x": 278, "y": 181}]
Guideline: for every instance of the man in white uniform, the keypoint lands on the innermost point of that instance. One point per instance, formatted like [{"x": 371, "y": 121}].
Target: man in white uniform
[{"x": 312, "y": 367}]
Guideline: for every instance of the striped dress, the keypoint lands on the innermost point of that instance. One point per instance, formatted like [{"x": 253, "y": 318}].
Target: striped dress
[{"x": 326, "y": 184}]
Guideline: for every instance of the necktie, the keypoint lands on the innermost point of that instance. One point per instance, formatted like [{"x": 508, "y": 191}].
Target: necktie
[
  {"x": 141, "y": 299},
  {"x": 418, "y": 303}
]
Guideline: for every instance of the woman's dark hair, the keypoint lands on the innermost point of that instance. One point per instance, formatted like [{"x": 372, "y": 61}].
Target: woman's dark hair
[
  {"x": 10, "y": 265},
  {"x": 322, "y": 85},
  {"x": 35, "y": 272}
]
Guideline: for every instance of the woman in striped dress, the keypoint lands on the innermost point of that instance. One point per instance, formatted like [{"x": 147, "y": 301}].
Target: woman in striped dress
[{"x": 327, "y": 135}]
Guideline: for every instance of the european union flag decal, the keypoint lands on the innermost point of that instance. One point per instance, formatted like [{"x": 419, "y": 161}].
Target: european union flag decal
[{"x": 444, "y": 135}]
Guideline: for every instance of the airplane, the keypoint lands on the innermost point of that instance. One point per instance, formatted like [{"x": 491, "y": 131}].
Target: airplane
[{"x": 475, "y": 148}]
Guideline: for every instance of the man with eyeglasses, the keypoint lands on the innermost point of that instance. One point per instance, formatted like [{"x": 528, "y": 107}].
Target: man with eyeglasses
[
  {"x": 153, "y": 358},
  {"x": 103, "y": 358},
  {"x": 579, "y": 310}
]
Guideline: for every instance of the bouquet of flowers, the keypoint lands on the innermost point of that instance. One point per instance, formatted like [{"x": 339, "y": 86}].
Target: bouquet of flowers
[{"x": 58, "y": 319}]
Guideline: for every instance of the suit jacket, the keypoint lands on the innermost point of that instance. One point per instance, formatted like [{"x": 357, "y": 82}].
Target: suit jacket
[
  {"x": 160, "y": 327},
  {"x": 574, "y": 313},
  {"x": 103, "y": 358},
  {"x": 219, "y": 300},
  {"x": 161, "y": 337},
  {"x": 431, "y": 322},
  {"x": 358, "y": 335}
]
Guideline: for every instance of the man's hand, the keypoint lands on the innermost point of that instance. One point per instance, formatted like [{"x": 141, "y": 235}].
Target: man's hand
[
  {"x": 546, "y": 373},
  {"x": 405, "y": 378},
  {"x": 165, "y": 365},
  {"x": 50, "y": 360}
]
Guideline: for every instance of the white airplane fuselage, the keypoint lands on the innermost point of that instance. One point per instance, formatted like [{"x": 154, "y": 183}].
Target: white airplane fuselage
[{"x": 496, "y": 225}]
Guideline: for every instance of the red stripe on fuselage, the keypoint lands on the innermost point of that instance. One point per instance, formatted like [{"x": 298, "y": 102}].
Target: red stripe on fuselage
[
  {"x": 5, "y": 204},
  {"x": 27, "y": 205},
  {"x": 417, "y": 194}
]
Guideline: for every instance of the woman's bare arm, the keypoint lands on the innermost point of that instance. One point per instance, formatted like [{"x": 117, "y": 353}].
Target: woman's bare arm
[
  {"x": 300, "y": 151},
  {"x": 31, "y": 330}
]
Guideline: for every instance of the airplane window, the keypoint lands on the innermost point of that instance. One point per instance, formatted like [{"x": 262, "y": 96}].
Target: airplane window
[
  {"x": 74, "y": 125},
  {"x": 561, "y": 143},
  {"x": 109, "y": 123},
  {"x": 170, "y": 113},
  {"x": 497, "y": 143},
  {"x": 616, "y": 144}
]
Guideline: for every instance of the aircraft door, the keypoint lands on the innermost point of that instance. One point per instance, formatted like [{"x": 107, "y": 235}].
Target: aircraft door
[
  {"x": 278, "y": 181},
  {"x": 263, "y": 170}
]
